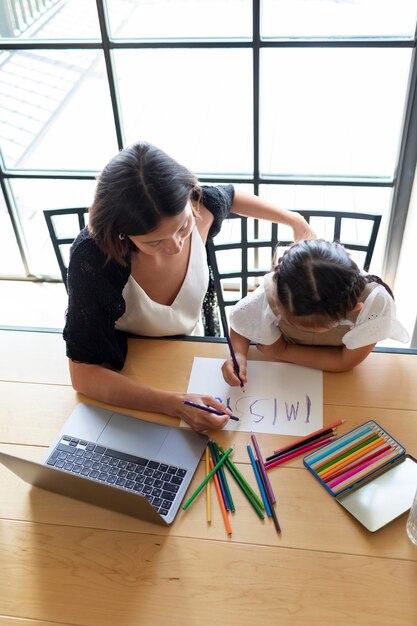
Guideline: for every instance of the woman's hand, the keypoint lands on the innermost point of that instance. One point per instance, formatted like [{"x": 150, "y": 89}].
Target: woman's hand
[
  {"x": 275, "y": 350},
  {"x": 202, "y": 421},
  {"x": 229, "y": 373}
]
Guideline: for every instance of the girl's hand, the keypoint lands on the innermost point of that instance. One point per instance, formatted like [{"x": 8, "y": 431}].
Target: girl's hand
[
  {"x": 229, "y": 373},
  {"x": 275, "y": 350},
  {"x": 199, "y": 420}
]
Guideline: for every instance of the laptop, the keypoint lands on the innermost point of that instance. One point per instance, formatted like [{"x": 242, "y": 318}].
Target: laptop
[{"x": 118, "y": 462}]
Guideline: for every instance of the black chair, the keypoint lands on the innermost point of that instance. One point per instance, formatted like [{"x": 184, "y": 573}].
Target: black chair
[
  {"x": 63, "y": 226},
  {"x": 251, "y": 253}
]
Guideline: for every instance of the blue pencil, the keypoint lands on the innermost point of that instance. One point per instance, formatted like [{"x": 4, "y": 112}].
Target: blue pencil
[
  {"x": 209, "y": 409},
  {"x": 259, "y": 481},
  {"x": 340, "y": 444}
]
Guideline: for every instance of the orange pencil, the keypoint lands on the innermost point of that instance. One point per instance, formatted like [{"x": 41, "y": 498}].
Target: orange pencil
[
  {"x": 221, "y": 503},
  {"x": 351, "y": 457}
]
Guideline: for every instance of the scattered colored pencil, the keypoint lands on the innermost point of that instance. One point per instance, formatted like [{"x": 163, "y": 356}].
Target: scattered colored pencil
[
  {"x": 221, "y": 503},
  {"x": 264, "y": 475},
  {"x": 207, "y": 478},
  {"x": 271, "y": 504},
  {"x": 209, "y": 409},
  {"x": 227, "y": 496},
  {"x": 208, "y": 491},
  {"x": 247, "y": 490},
  {"x": 302, "y": 440},
  {"x": 259, "y": 481},
  {"x": 298, "y": 452}
]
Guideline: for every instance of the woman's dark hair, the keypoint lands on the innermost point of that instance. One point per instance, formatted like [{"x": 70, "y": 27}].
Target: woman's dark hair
[
  {"x": 138, "y": 188},
  {"x": 318, "y": 278}
]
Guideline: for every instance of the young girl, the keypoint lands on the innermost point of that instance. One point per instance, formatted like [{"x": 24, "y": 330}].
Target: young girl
[
  {"x": 315, "y": 309},
  {"x": 141, "y": 267}
]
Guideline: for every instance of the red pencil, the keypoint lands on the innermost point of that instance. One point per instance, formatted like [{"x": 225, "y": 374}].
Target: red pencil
[
  {"x": 298, "y": 451},
  {"x": 316, "y": 432}
]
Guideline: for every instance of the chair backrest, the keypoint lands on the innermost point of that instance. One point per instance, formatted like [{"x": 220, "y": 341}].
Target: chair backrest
[
  {"x": 63, "y": 226},
  {"x": 238, "y": 263}
]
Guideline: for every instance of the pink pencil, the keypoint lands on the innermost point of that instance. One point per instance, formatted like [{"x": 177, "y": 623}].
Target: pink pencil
[
  {"x": 300, "y": 450},
  {"x": 371, "y": 455},
  {"x": 374, "y": 463}
]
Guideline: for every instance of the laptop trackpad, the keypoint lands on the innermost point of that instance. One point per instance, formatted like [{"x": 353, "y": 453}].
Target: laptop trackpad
[{"x": 133, "y": 436}]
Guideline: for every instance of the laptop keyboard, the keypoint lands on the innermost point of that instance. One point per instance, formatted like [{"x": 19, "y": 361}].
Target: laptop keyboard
[{"x": 158, "y": 482}]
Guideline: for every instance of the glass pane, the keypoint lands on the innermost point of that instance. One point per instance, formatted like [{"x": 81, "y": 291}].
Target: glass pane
[
  {"x": 356, "y": 199},
  {"x": 196, "y": 105},
  {"x": 10, "y": 261},
  {"x": 158, "y": 19},
  {"x": 49, "y": 19},
  {"x": 32, "y": 197},
  {"x": 334, "y": 112},
  {"x": 338, "y": 18},
  {"x": 55, "y": 110}
]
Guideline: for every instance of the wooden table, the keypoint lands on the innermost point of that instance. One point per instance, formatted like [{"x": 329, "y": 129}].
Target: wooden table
[{"x": 67, "y": 562}]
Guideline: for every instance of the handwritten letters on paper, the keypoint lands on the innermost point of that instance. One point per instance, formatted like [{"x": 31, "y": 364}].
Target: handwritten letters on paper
[{"x": 279, "y": 398}]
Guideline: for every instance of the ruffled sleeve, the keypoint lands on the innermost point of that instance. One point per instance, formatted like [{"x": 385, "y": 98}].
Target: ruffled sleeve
[
  {"x": 253, "y": 318},
  {"x": 218, "y": 199},
  {"x": 376, "y": 321},
  {"x": 95, "y": 302}
]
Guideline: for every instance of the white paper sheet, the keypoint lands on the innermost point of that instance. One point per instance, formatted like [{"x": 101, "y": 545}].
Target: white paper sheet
[{"x": 279, "y": 398}]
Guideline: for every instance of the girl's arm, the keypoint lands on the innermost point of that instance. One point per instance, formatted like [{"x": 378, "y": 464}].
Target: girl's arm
[
  {"x": 327, "y": 358},
  {"x": 252, "y": 206},
  {"x": 111, "y": 387},
  {"x": 240, "y": 346}
]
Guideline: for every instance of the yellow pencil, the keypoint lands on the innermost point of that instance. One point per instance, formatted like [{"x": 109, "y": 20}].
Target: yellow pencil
[{"x": 208, "y": 489}]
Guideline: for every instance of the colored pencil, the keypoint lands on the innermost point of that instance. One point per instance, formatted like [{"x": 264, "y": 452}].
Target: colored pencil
[
  {"x": 228, "y": 500},
  {"x": 271, "y": 504},
  {"x": 356, "y": 450},
  {"x": 352, "y": 457},
  {"x": 232, "y": 352},
  {"x": 365, "y": 470},
  {"x": 259, "y": 481},
  {"x": 221, "y": 503},
  {"x": 346, "y": 449},
  {"x": 357, "y": 463},
  {"x": 297, "y": 452},
  {"x": 264, "y": 475},
  {"x": 296, "y": 446},
  {"x": 208, "y": 491},
  {"x": 238, "y": 476},
  {"x": 207, "y": 478},
  {"x": 209, "y": 409},
  {"x": 300, "y": 441},
  {"x": 339, "y": 443}
]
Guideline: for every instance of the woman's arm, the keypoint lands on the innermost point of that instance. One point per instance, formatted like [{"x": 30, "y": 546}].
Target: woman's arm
[
  {"x": 252, "y": 206},
  {"x": 327, "y": 358},
  {"x": 111, "y": 387}
]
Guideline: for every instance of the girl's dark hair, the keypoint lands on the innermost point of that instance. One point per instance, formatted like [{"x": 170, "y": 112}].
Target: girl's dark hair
[
  {"x": 138, "y": 188},
  {"x": 319, "y": 278}
]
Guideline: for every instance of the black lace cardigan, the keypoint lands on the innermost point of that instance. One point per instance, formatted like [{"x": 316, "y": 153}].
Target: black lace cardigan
[{"x": 95, "y": 300}]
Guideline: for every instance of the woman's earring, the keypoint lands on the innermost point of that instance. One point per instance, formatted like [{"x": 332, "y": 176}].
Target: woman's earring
[{"x": 122, "y": 236}]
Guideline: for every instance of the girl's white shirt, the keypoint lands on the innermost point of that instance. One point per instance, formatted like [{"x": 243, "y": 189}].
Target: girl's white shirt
[
  {"x": 146, "y": 317},
  {"x": 253, "y": 318}
]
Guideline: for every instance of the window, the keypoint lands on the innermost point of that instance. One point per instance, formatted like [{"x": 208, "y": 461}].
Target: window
[{"x": 310, "y": 103}]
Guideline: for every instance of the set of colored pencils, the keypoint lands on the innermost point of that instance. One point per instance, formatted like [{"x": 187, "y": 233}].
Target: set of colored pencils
[
  {"x": 354, "y": 456},
  {"x": 315, "y": 440}
]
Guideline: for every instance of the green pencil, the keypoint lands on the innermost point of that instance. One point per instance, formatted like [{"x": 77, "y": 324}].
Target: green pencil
[
  {"x": 245, "y": 487},
  {"x": 221, "y": 470},
  {"x": 232, "y": 466},
  {"x": 207, "y": 478}
]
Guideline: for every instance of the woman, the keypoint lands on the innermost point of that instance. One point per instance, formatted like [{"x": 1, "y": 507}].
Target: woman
[{"x": 140, "y": 267}]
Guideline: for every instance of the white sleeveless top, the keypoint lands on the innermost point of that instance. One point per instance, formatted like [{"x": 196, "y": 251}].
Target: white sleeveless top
[{"x": 146, "y": 317}]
